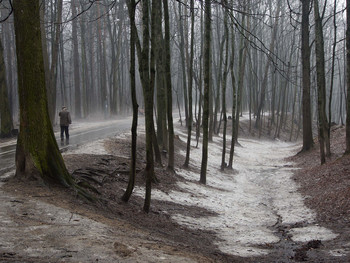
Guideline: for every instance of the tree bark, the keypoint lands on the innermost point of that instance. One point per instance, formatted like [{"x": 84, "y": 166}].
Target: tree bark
[
  {"x": 206, "y": 62},
  {"x": 5, "y": 111},
  {"x": 241, "y": 72},
  {"x": 54, "y": 58},
  {"x": 332, "y": 69},
  {"x": 50, "y": 93},
  {"x": 148, "y": 102},
  {"x": 132, "y": 174},
  {"x": 169, "y": 85},
  {"x": 76, "y": 64},
  {"x": 321, "y": 86},
  {"x": 234, "y": 103},
  {"x": 190, "y": 82},
  {"x": 347, "y": 139},
  {"x": 223, "y": 163},
  {"x": 305, "y": 55},
  {"x": 183, "y": 63},
  {"x": 155, "y": 28},
  {"x": 37, "y": 153},
  {"x": 267, "y": 66}
]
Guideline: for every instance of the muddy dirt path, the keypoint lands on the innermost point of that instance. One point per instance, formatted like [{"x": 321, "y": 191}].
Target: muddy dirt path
[{"x": 36, "y": 231}]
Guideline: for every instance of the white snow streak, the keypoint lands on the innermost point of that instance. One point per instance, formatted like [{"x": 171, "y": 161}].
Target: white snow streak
[{"x": 248, "y": 203}]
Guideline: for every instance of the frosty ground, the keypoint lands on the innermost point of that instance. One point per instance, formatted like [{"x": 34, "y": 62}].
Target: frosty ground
[{"x": 254, "y": 213}]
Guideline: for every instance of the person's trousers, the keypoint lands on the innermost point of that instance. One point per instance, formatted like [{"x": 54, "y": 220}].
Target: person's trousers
[{"x": 64, "y": 129}]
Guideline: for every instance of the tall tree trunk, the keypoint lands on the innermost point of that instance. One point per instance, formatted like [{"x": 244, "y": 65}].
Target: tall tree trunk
[
  {"x": 267, "y": 66},
  {"x": 116, "y": 43},
  {"x": 341, "y": 94},
  {"x": 54, "y": 58},
  {"x": 155, "y": 52},
  {"x": 5, "y": 111},
  {"x": 218, "y": 86},
  {"x": 63, "y": 77},
  {"x": 234, "y": 102},
  {"x": 293, "y": 107},
  {"x": 190, "y": 82},
  {"x": 206, "y": 62},
  {"x": 183, "y": 62},
  {"x": 347, "y": 140},
  {"x": 223, "y": 163},
  {"x": 50, "y": 92},
  {"x": 76, "y": 64},
  {"x": 8, "y": 37},
  {"x": 321, "y": 85},
  {"x": 332, "y": 69},
  {"x": 199, "y": 118},
  {"x": 162, "y": 132},
  {"x": 37, "y": 154},
  {"x": 102, "y": 65},
  {"x": 148, "y": 102},
  {"x": 169, "y": 86},
  {"x": 132, "y": 174},
  {"x": 305, "y": 55},
  {"x": 241, "y": 72},
  {"x": 211, "y": 103},
  {"x": 84, "y": 73}
]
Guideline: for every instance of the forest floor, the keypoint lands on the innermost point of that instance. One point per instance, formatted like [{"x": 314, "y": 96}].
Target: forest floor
[{"x": 287, "y": 208}]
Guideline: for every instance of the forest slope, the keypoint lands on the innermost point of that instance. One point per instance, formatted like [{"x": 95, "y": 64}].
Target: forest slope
[{"x": 245, "y": 215}]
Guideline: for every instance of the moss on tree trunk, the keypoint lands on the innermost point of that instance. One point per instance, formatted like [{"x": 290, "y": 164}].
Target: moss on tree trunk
[{"x": 37, "y": 153}]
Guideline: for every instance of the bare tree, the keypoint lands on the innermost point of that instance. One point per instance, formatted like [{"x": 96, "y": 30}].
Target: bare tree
[
  {"x": 37, "y": 153},
  {"x": 206, "y": 63},
  {"x": 347, "y": 151},
  {"x": 5, "y": 112},
  {"x": 76, "y": 67},
  {"x": 132, "y": 173},
  {"x": 305, "y": 54},
  {"x": 190, "y": 82},
  {"x": 224, "y": 80},
  {"x": 267, "y": 66},
  {"x": 321, "y": 85},
  {"x": 167, "y": 60}
]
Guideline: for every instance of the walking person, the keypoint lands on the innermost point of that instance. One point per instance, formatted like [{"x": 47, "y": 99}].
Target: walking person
[{"x": 65, "y": 120}]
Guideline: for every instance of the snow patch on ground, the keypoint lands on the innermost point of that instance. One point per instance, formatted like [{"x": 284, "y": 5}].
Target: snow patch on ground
[
  {"x": 303, "y": 234},
  {"x": 341, "y": 252},
  {"x": 248, "y": 203},
  {"x": 96, "y": 147}
]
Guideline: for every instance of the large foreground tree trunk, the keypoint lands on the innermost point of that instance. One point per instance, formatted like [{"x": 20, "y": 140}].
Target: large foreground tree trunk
[{"x": 37, "y": 153}]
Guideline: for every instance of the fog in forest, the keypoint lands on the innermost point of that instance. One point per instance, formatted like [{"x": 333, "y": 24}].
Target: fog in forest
[
  {"x": 232, "y": 116},
  {"x": 88, "y": 42}
]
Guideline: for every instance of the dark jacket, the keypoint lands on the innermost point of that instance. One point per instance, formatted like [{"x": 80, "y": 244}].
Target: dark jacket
[{"x": 65, "y": 119}]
